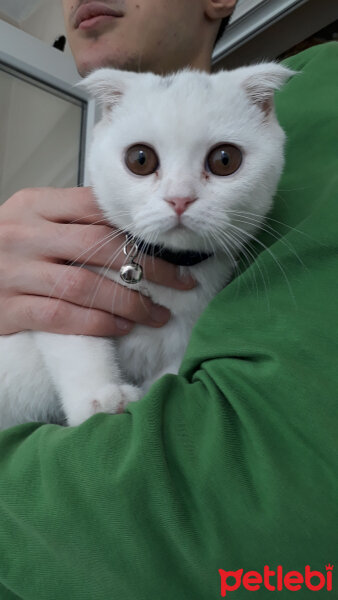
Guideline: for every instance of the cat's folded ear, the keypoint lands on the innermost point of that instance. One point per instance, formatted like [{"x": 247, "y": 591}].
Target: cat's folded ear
[
  {"x": 261, "y": 81},
  {"x": 107, "y": 86}
]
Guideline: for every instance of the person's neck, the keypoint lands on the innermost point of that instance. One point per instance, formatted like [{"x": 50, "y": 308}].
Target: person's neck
[{"x": 201, "y": 62}]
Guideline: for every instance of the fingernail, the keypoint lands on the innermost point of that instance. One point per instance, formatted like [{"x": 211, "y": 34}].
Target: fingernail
[
  {"x": 159, "y": 313},
  {"x": 184, "y": 277},
  {"x": 123, "y": 324}
]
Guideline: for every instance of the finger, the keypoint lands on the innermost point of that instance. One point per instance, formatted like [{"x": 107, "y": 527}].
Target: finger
[
  {"x": 87, "y": 289},
  {"x": 36, "y": 313},
  {"x": 164, "y": 273},
  {"x": 101, "y": 245},
  {"x": 68, "y": 205},
  {"x": 92, "y": 244}
]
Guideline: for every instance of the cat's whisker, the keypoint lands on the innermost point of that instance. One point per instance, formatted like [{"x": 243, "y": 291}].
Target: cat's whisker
[
  {"x": 271, "y": 231},
  {"x": 70, "y": 265},
  {"x": 238, "y": 244},
  {"x": 104, "y": 241},
  {"x": 267, "y": 218},
  {"x": 87, "y": 217},
  {"x": 248, "y": 254},
  {"x": 234, "y": 244},
  {"x": 226, "y": 249},
  {"x": 145, "y": 249},
  {"x": 267, "y": 249},
  {"x": 295, "y": 189},
  {"x": 151, "y": 242},
  {"x": 259, "y": 220},
  {"x": 106, "y": 269},
  {"x": 228, "y": 252},
  {"x": 102, "y": 220},
  {"x": 98, "y": 246}
]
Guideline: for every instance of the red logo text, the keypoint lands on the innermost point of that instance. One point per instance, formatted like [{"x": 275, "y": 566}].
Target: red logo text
[{"x": 276, "y": 580}]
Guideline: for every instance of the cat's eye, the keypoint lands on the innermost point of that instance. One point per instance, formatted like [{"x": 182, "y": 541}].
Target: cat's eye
[
  {"x": 224, "y": 159},
  {"x": 141, "y": 159}
]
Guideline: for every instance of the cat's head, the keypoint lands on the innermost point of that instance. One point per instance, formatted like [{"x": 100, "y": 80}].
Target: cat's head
[{"x": 180, "y": 159}]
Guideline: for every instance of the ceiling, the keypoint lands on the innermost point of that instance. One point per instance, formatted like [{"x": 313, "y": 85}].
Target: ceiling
[
  {"x": 18, "y": 11},
  {"x": 244, "y": 6}
]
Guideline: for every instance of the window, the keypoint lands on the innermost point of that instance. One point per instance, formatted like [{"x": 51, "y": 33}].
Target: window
[{"x": 45, "y": 121}]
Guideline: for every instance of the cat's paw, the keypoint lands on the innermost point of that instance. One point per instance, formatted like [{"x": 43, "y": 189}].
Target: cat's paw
[
  {"x": 114, "y": 398},
  {"x": 111, "y": 398}
]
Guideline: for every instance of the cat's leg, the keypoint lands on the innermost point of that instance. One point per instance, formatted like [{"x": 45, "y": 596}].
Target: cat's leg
[
  {"x": 85, "y": 373},
  {"x": 26, "y": 390}
]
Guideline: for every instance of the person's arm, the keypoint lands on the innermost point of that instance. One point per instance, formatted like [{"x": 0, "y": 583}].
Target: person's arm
[
  {"x": 229, "y": 465},
  {"x": 40, "y": 230}
]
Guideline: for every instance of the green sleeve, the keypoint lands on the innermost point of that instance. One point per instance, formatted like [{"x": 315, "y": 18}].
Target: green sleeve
[{"x": 230, "y": 465}]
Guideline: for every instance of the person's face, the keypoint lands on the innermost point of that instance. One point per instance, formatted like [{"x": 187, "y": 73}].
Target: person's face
[{"x": 154, "y": 35}]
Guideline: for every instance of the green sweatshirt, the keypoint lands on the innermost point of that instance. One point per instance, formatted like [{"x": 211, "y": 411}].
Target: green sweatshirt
[{"x": 232, "y": 464}]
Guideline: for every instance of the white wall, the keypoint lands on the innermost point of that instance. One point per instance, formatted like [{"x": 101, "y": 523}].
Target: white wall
[
  {"x": 46, "y": 23},
  {"x": 40, "y": 135},
  {"x": 39, "y": 131},
  {"x": 42, "y": 19}
]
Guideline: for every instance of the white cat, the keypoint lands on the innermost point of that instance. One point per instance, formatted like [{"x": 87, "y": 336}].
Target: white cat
[{"x": 175, "y": 162}]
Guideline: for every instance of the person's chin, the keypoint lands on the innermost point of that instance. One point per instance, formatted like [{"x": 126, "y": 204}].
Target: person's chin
[
  {"x": 87, "y": 65},
  {"x": 93, "y": 58}
]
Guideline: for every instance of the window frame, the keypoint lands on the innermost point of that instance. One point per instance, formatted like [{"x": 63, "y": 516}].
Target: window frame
[{"x": 52, "y": 69}]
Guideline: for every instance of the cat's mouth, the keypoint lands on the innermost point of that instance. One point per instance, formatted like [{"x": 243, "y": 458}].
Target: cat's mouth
[
  {"x": 178, "y": 234},
  {"x": 179, "y": 231},
  {"x": 179, "y": 227}
]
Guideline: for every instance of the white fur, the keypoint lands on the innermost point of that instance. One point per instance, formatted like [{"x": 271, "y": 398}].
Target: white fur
[{"x": 47, "y": 377}]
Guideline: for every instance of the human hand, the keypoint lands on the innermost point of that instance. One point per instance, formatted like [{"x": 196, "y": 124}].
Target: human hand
[{"x": 43, "y": 229}]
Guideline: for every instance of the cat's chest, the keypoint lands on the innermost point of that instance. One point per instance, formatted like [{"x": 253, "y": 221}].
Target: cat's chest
[{"x": 147, "y": 352}]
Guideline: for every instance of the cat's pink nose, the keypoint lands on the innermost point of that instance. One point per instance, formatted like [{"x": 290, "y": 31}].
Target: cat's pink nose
[{"x": 180, "y": 205}]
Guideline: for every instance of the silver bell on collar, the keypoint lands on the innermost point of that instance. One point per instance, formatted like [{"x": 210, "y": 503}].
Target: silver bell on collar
[{"x": 132, "y": 272}]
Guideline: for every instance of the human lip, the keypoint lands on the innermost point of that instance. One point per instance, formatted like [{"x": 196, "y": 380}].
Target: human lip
[{"x": 88, "y": 13}]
